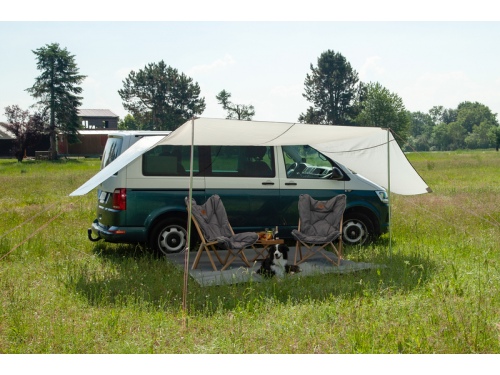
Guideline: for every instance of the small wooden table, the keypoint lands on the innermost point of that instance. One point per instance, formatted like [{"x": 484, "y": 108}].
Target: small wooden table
[{"x": 262, "y": 246}]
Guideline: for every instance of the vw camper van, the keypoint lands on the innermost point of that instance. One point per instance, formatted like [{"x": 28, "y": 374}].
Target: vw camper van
[{"x": 259, "y": 185}]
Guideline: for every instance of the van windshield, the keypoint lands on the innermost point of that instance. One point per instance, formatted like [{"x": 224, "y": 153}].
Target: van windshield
[
  {"x": 303, "y": 161},
  {"x": 111, "y": 151}
]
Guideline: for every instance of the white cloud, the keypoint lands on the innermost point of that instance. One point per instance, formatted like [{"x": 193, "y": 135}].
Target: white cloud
[
  {"x": 449, "y": 89},
  {"x": 371, "y": 68},
  {"x": 226, "y": 61},
  {"x": 91, "y": 83},
  {"x": 286, "y": 91},
  {"x": 123, "y": 73}
]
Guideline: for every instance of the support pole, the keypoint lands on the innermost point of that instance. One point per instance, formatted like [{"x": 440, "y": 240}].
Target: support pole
[
  {"x": 188, "y": 227},
  {"x": 389, "y": 188}
]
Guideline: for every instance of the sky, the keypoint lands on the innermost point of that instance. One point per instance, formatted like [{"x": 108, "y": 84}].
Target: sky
[{"x": 261, "y": 55}]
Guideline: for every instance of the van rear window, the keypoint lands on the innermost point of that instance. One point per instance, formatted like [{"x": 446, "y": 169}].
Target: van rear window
[
  {"x": 242, "y": 161},
  {"x": 111, "y": 151},
  {"x": 167, "y": 160},
  {"x": 220, "y": 161}
]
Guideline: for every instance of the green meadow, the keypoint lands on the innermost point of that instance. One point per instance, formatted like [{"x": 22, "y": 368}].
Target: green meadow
[{"x": 61, "y": 293}]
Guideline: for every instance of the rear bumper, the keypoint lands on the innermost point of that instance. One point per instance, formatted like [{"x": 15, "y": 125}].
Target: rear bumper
[{"x": 115, "y": 234}]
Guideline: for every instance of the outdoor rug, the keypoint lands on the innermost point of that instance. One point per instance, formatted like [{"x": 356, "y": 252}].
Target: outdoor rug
[{"x": 239, "y": 273}]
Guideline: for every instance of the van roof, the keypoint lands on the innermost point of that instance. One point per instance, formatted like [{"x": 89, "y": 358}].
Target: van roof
[{"x": 137, "y": 132}]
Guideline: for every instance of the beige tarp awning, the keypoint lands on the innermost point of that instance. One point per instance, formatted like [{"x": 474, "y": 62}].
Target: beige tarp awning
[{"x": 363, "y": 149}]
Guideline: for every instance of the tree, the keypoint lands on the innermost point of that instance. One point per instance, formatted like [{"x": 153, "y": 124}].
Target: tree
[
  {"x": 332, "y": 88},
  {"x": 27, "y": 128},
  {"x": 473, "y": 114},
  {"x": 420, "y": 123},
  {"x": 470, "y": 125},
  {"x": 57, "y": 92},
  {"x": 497, "y": 138},
  {"x": 311, "y": 116},
  {"x": 448, "y": 137},
  {"x": 440, "y": 114},
  {"x": 482, "y": 136},
  {"x": 235, "y": 111},
  {"x": 384, "y": 109},
  {"x": 129, "y": 123},
  {"x": 420, "y": 132},
  {"x": 161, "y": 98}
]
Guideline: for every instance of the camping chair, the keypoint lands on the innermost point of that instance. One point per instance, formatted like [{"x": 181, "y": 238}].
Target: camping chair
[
  {"x": 320, "y": 224},
  {"x": 210, "y": 220}
]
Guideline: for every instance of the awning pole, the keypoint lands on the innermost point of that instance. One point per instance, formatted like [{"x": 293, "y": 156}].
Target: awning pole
[
  {"x": 188, "y": 227},
  {"x": 389, "y": 189}
]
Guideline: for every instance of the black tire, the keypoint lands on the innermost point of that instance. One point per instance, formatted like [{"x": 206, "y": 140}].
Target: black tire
[
  {"x": 168, "y": 236},
  {"x": 357, "y": 229}
]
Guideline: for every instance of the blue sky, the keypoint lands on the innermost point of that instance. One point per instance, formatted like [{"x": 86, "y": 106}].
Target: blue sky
[{"x": 263, "y": 63}]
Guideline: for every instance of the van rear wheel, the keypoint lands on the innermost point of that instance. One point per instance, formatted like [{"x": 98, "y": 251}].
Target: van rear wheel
[
  {"x": 168, "y": 236},
  {"x": 357, "y": 229}
]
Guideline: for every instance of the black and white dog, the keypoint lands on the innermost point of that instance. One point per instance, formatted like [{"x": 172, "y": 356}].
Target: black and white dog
[{"x": 276, "y": 263}]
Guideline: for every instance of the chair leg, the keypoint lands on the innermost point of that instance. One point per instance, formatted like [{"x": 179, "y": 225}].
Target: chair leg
[
  {"x": 244, "y": 258},
  {"x": 341, "y": 251},
  {"x": 217, "y": 254},
  {"x": 229, "y": 260},
  {"x": 198, "y": 256},
  {"x": 337, "y": 252},
  {"x": 298, "y": 250},
  {"x": 240, "y": 253},
  {"x": 312, "y": 251},
  {"x": 211, "y": 260},
  {"x": 309, "y": 253},
  {"x": 337, "y": 263}
]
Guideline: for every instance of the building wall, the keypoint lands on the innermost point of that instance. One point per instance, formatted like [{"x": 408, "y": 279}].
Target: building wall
[
  {"x": 92, "y": 145},
  {"x": 6, "y": 146},
  {"x": 100, "y": 123}
]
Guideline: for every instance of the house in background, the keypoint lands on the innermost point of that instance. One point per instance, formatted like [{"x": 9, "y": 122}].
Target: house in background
[
  {"x": 95, "y": 126},
  {"x": 6, "y": 141},
  {"x": 98, "y": 119}
]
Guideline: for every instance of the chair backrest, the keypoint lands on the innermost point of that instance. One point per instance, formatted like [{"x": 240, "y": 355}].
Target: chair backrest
[
  {"x": 211, "y": 217},
  {"x": 321, "y": 218}
]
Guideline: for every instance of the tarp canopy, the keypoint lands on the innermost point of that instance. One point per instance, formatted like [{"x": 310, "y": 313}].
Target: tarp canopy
[{"x": 369, "y": 151}]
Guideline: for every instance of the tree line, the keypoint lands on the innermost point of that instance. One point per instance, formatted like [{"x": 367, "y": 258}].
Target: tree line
[{"x": 159, "y": 97}]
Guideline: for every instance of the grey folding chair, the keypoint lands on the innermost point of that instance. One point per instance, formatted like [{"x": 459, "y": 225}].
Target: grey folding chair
[
  {"x": 320, "y": 225},
  {"x": 212, "y": 224}
]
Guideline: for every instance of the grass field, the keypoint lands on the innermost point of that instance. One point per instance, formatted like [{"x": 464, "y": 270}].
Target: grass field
[{"x": 60, "y": 293}]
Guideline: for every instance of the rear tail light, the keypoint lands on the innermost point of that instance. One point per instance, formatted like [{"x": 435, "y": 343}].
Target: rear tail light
[{"x": 120, "y": 199}]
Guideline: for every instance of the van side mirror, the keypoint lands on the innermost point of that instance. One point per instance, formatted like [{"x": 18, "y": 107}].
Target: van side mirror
[{"x": 336, "y": 174}]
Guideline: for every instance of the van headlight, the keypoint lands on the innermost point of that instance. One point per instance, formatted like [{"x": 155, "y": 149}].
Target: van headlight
[{"x": 383, "y": 196}]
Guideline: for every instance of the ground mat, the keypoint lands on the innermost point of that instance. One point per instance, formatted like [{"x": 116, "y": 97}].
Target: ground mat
[{"x": 238, "y": 272}]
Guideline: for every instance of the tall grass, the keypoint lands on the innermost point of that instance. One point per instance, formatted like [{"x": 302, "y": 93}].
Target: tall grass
[{"x": 60, "y": 293}]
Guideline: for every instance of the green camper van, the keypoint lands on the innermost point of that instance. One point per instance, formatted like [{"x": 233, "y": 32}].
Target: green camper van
[{"x": 143, "y": 202}]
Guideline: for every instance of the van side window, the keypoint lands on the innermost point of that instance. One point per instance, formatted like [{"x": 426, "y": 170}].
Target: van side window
[
  {"x": 242, "y": 161},
  {"x": 167, "y": 160},
  {"x": 111, "y": 151},
  {"x": 303, "y": 161}
]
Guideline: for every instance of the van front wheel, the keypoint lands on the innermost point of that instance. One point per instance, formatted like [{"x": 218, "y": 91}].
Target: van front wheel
[
  {"x": 168, "y": 236},
  {"x": 357, "y": 229}
]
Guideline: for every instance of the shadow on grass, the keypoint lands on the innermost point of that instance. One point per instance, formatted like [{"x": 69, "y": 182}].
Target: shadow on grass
[{"x": 133, "y": 275}]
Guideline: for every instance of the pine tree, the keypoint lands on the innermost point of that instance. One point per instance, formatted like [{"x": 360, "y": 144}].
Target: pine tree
[
  {"x": 161, "y": 98},
  {"x": 57, "y": 92},
  {"x": 332, "y": 88}
]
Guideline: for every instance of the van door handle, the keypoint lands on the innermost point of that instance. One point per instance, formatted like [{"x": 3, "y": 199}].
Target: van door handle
[
  {"x": 290, "y": 183},
  {"x": 268, "y": 183}
]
